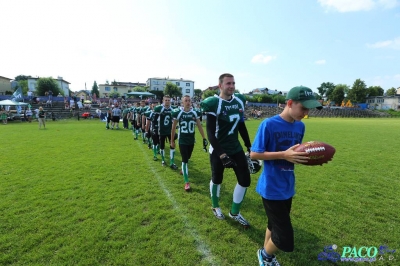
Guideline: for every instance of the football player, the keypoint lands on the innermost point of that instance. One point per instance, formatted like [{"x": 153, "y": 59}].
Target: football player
[
  {"x": 224, "y": 121},
  {"x": 186, "y": 118},
  {"x": 163, "y": 113}
]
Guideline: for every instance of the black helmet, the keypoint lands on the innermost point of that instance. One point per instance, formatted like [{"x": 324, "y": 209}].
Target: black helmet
[{"x": 254, "y": 165}]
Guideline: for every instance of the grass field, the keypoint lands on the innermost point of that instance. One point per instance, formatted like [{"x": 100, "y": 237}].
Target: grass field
[{"x": 77, "y": 194}]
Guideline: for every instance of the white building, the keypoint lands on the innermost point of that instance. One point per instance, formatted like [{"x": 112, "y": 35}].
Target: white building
[
  {"x": 121, "y": 87},
  {"x": 158, "y": 84},
  {"x": 62, "y": 84},
  {"x": 383, "y": 102}
]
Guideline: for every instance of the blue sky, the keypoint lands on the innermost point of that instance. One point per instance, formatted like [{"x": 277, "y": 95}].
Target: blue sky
[{"x": 274, "y": 44}]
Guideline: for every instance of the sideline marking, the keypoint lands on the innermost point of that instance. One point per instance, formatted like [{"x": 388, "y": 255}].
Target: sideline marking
[{"x": 202, "y": 247}]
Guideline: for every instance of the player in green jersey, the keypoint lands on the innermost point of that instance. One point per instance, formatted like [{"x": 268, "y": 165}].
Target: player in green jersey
[
  {"x": 148, "y": 114},
  {"x": 163, "y": 114},
  {"x": 225, "y": 120},
  {"x": 152, "y": 129},
  {"x": 134, "y": 119},
  {"x": 142, "y": 118},
  {"x": 186, "y": 118}
]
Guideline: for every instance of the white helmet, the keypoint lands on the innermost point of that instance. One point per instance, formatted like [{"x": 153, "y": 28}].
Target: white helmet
[{"x": 254, "y": 165}]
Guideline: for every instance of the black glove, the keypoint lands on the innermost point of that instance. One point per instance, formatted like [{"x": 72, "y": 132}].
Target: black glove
[
  {"x": 228, "y": 162},
  {"x": 205, "y": 143}
]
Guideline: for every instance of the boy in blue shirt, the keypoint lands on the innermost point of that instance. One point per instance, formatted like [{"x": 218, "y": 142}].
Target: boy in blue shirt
[{"x": 275, "y": 141}]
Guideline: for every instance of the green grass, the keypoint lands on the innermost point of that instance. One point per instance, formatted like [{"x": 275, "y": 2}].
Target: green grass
[{"x": 77, "y": 194}]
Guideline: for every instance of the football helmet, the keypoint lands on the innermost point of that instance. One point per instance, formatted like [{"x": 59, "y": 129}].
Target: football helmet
[{"x": 254, "y": 165}]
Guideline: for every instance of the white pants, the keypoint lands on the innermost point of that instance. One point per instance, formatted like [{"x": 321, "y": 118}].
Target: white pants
[{"x": 42, "y": 122}]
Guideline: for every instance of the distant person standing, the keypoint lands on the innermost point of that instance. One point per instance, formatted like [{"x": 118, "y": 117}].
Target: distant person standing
[
  {"x": 116, "y": 113},
  {"x": 30, "y": 95},
  {"x": 41, "y": 118},
  {"x": 82, "y": 98},
  {"x": 3, "y": 116},
  {"x": 71, "y": 103},
  {"x": 29, "y": 115},
  {"x": 50, "y": 95}
]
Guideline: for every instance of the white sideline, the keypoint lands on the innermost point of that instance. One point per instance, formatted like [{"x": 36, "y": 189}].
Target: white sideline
[{"x": 202, "y": 247}]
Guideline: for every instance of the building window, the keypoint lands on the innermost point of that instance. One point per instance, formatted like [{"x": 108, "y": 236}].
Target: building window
[
  {"x": 155, "y": 82},
  {"x": 107, "y": 88},
  {"x": 187, "y": 90},
  {"x": 177, "y": 83},
  {"x": 187, "y": 84},
  {"x": 115, "y": 89}
]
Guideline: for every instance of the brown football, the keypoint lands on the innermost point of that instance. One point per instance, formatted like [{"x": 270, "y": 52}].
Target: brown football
[{"x": 318, "y": 152}]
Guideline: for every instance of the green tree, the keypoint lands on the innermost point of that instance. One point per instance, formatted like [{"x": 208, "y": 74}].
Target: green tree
[
  {"x": 159, "y": 95},
  {"x": 375, "y": 91},
  {"x": 209, "y": 93},
  {"x": 172, "y": 90},
  {"x": 95, "y": 89},
  {"x": 391, "y": 92},
  {"x": 198, "y": 93},
  {"x": 21, "y": 77},
  {"x": 338, "y": 93},
  {"x": 23, "y": 84},
  {"x": 44, "y": 85},
  {"x": 278, "y": 98},
  {"x": 113, "y": 94},
  {"x": 114, "y": 83},
  {"x": 264, "y": 98},
  {"x": 326, "y": 88},
  {"x": 358, "y": 91},
  {"x": 139, "y": 89}
]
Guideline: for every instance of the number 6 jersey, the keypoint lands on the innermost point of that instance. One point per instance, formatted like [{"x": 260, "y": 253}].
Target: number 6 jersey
[
  {"x": 228, "y": 114},
  {"x": 164, "y": 120}
]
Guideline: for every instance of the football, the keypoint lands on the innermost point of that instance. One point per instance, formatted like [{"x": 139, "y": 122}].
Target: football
[{"x": 319, "y": 152}]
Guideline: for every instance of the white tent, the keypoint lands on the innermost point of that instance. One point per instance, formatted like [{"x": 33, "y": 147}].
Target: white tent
[{"x": 9, "y": 102}]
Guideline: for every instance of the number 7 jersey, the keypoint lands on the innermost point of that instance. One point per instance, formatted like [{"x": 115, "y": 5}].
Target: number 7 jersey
[{"x": 228, "y": 115}]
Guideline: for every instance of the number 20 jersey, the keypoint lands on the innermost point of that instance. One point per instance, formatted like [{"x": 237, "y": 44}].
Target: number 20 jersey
[
  {"x": 187, "y": 124},
  {"x": 228, "y": 115}
]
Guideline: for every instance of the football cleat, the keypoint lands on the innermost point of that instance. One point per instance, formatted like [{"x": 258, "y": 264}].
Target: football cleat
[
  {"x": 218, "y": 213},
  {"x": 173, "y": 167},
  {"x": 240, "y": 219},
  {"x": 254, "y": 165},
  {"x": 187, "y": 186}
]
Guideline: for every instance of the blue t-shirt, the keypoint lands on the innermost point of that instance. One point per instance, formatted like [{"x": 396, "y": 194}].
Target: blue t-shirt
[{"x": 277, "y": 178}]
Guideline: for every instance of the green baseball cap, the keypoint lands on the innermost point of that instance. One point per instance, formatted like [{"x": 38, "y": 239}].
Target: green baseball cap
[{"x": 305, "y": 96}]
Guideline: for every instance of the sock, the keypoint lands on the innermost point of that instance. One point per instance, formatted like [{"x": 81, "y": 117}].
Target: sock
[
  {"x": 136, "y": 133},
  {"x": 162, "y": 155},
  {"x": 214, "y": 191},
  {"x": 238, "y": 196},
  {"x": 185, "y": 172},
  {"x": 155, "y": 150},
  {"x": 171, "y": 156},
  {"x": 265, "y": 254},
  {"x": 143, "y": 136}
]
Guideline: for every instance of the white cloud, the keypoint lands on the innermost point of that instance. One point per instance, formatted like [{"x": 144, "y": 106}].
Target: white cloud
[
  {"x": 263, "y": 59},
  {"x": 348, "y": 5},
  {"x": 392, "y": 44},
  {"x": 320, "y": 62}
]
